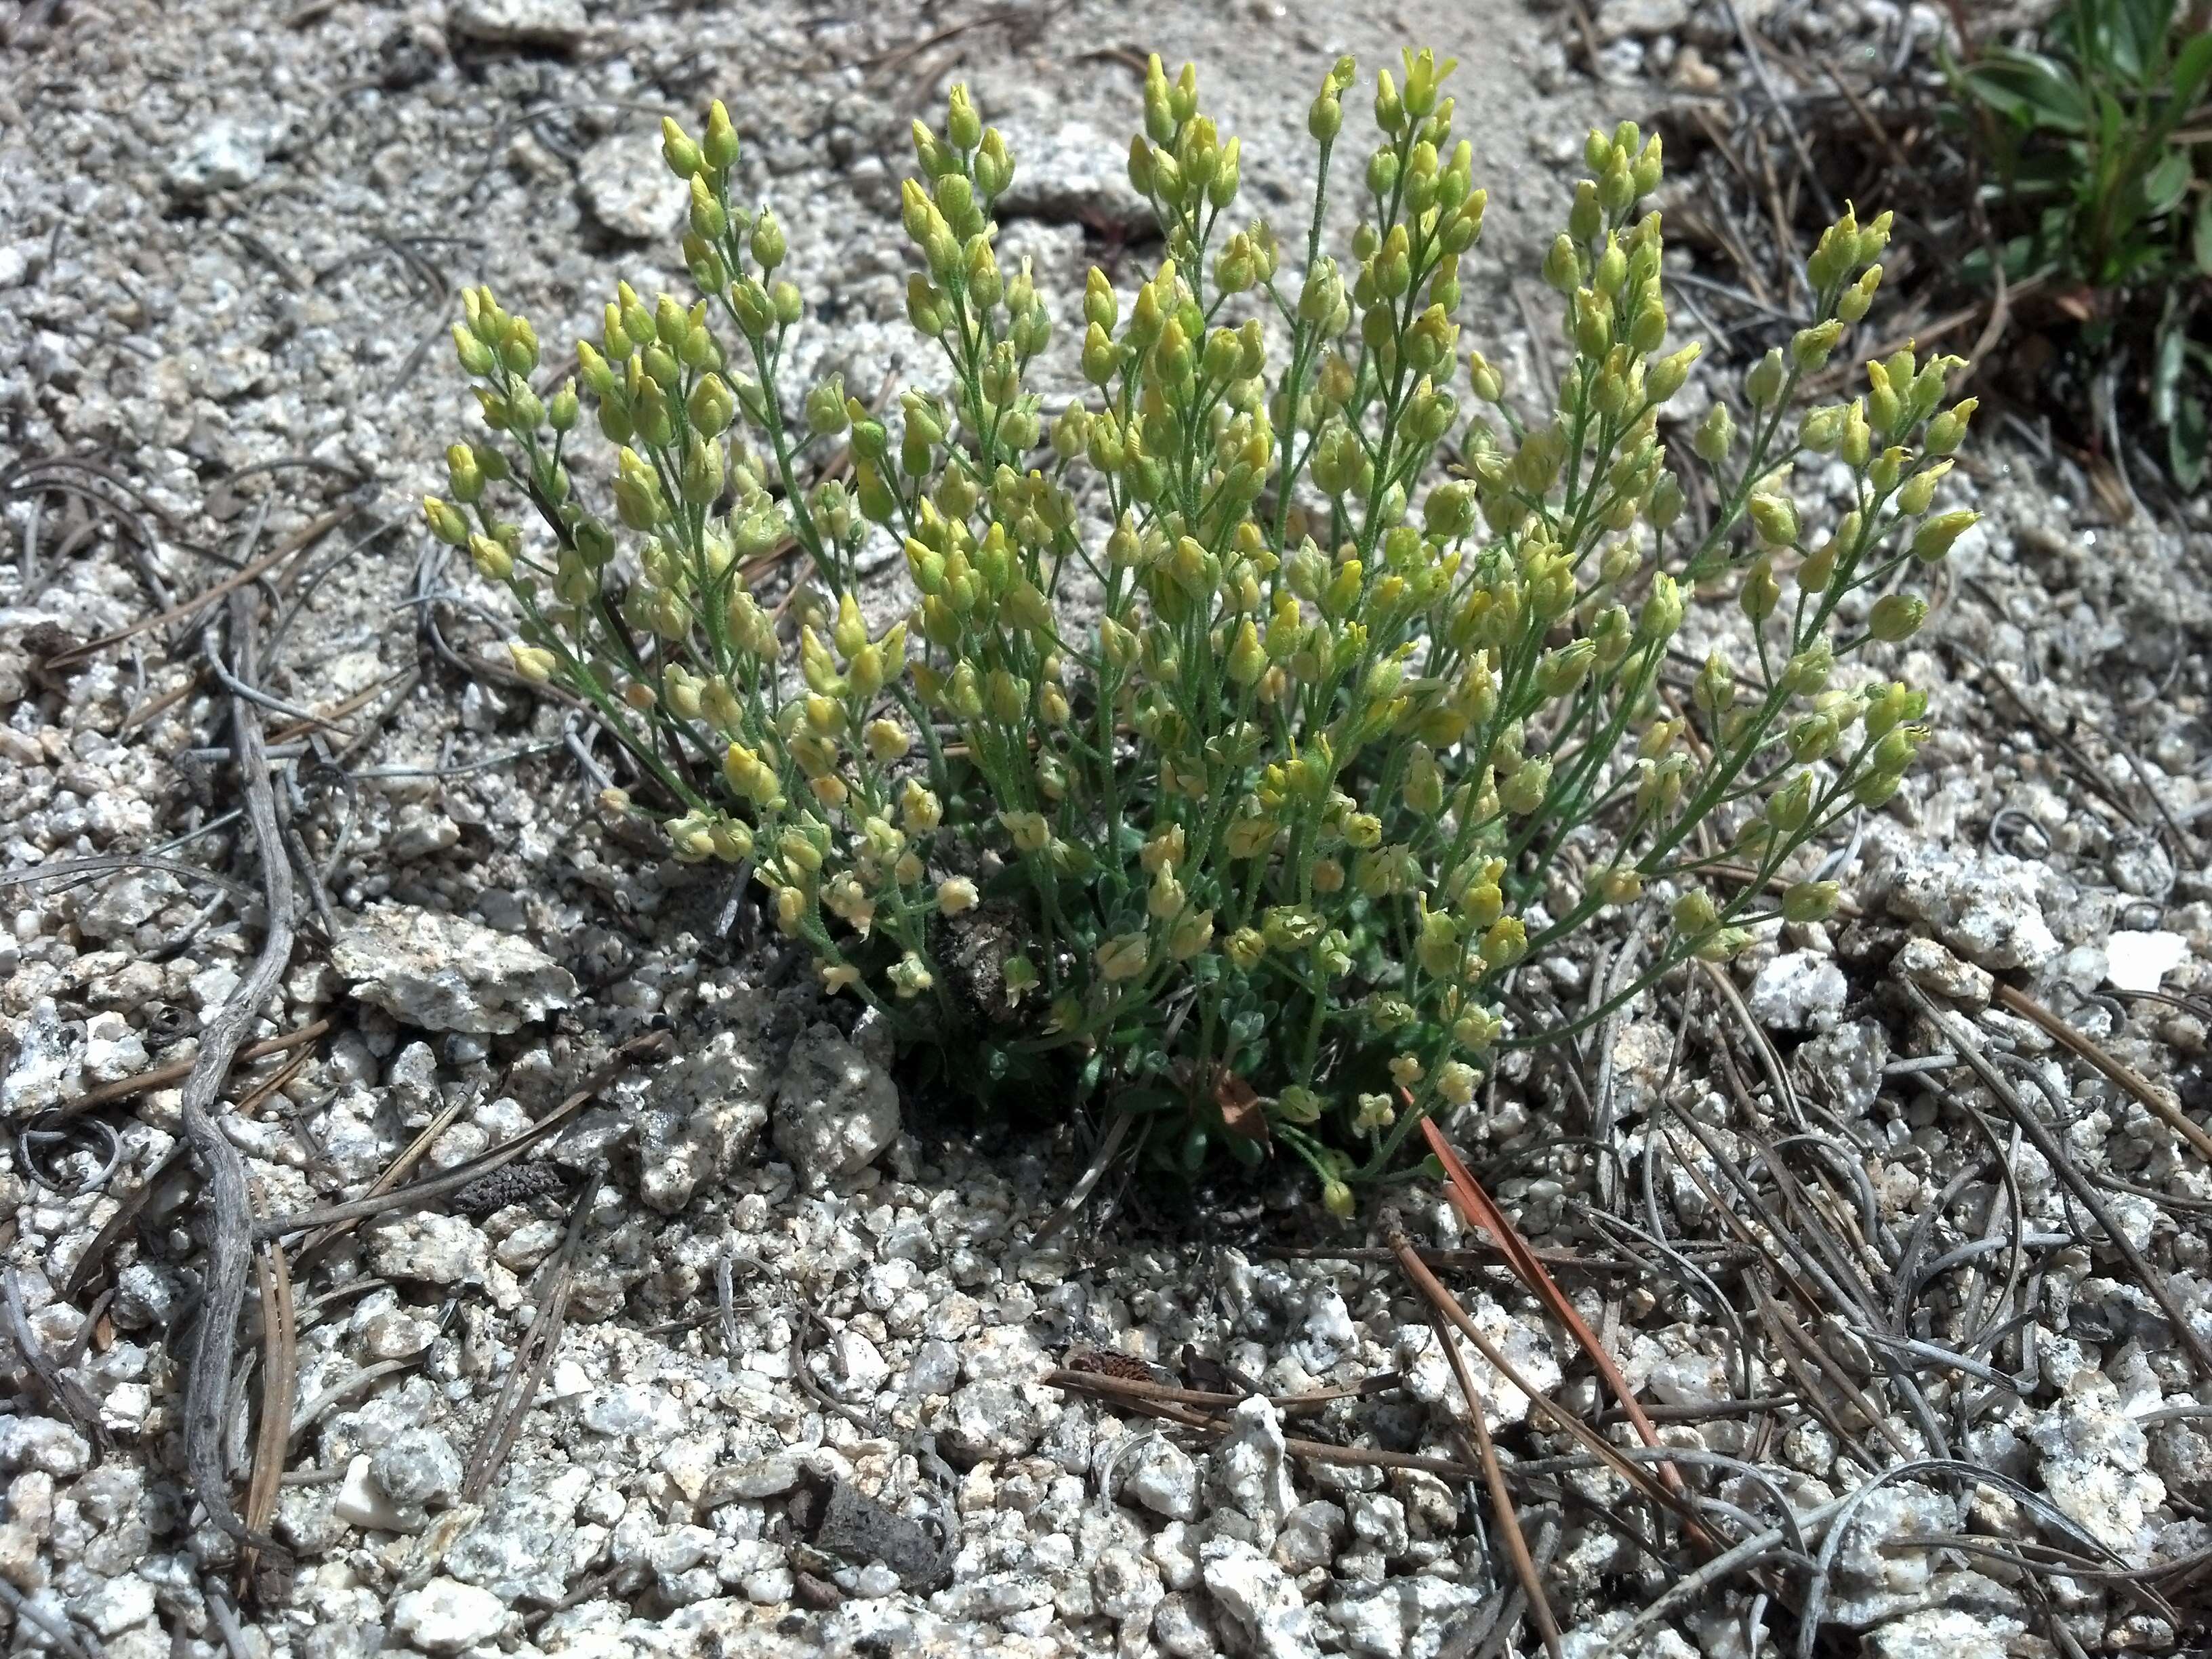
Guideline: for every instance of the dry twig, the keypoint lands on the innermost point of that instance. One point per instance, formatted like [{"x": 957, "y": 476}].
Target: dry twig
[{"x": 207, "y": 1389}]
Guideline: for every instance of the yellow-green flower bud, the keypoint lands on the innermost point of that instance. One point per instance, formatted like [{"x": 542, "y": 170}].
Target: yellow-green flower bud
[
  {"x": 1714, "y": 689},
  {"x": 1809, "y": 347},
  {"x": 1563, "y": 669},
  {"x": 1853, "y": 303},
  {"x": 1790, "y": 806},
  {"x": 1648, "y": 330},
  {"x": 702, "y": 471},
  {"x": 1897, "y": 617},
  {"x": 1935, "y": 538},
  {"x": 1666, "y": 377},
  {"x": 1524, "y": 791},
  {"x": 476, "y": 357},
  {"x": 684, "y": 157},
  {"x": 1250, "y": 837},
  {"x": 464, "y": 474},
  {"x": 1695, "y": 915},
  {"x": 719, "y": 144},
  {"x": 1504, "y": 943},
  {"x": 1438, "y": 946},
  {"x": 1885, "y": 406},
  {"x": 1807, "y": 672},
  {"x": 1593, "y": 324},
  {"x": 1813, "y": 738},
  {"x": 1248, "y": 660},
  {"x": 1123, "y": 956},
  {"x": 1947, "y": 431},
  {"x": 1716, "y": 434},
  {"x": 1855, "y": 440},
  {"x": 561, "y": 413},
  {"x": 711, "y": 407},
  {"x": 1775, "y": 519},
  {"x": 826, "y": 407},
  {"x": 1810, "y": 901},
  {"x": 1662, "y": 613},
  {"x": 1425, "y": 782},
  {"x": 447, "y": 522},
  {"x": 1030, "y": 831},
  {"x": 1761, "y": 592},
  {"x": 963, "y": 126},
  {"x": 534, "y": 663},
  {"x": 1918, "y": 491},
  {"x": 493, "y": 562},
  {"x": 1563, "y": 264},
  {"x": 1764, "y": 384}
]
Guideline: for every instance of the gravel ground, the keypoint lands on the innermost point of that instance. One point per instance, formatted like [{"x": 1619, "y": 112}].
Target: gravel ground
[{"x": 746, "y": 1354}]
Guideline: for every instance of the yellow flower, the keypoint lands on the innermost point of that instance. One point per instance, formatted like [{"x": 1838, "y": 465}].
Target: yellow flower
[
  {"x": 1193, "y": 932},
  {"x": 1030, "y": 832},
  {"x": 1123, "y": 956},
  {"x": 534, "y": 663},
  {"x": 1375, "y": 1113}
]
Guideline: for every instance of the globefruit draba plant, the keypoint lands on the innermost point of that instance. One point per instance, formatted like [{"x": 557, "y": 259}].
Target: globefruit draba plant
[{"x": 1364, "y": 702}]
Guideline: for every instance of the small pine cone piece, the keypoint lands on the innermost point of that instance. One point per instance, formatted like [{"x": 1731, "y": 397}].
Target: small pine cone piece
[{"x": 513, "y": 1183}]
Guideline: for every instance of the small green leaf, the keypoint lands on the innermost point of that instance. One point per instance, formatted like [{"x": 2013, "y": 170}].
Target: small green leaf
[
  {"x": 2030, "y": 89},
  {"x": 2164, "y": 185},
  {"x": 2186, "y": 441},
  {"x": 2191, "y": 64},
  {"x": 2201, "y": 239},
  {"x": 1191, "y": 1155}
]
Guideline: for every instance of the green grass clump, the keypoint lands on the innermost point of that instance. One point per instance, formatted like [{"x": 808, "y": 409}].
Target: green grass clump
[{"x": 1365, "y": 705}]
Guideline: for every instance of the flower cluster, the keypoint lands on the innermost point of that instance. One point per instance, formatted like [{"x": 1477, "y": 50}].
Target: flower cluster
[{"x": 1275, "y": 702}]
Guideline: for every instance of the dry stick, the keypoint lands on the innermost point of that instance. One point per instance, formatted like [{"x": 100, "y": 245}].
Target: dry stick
[
  {"x": 1756, "y": 54},
  {"x": 280, "y": 1367},
  {"x": 157, "y": 705},
  {"x": 2090, "y": 773},
  {"x": 1769, "y": 1061},
  {"x": 346, "y": 1387},
  {"x": 1816, "y": 1401},
  {"x": 2157, "y": 1099},
  {"x": 1072, "y": 1206},
  {"x": 307, "y": 534},
  {"x": 1469, "y": 1198},
  {"x": 55, "y": 1625},
  {"x": 2081, "y": 1187},
  {"x": 421, "y": 1192},
  {"x": 207, "y": 1386},
  {"x": 393, "y": 1175},
  {"x": 161, "y": 1075},
  {"x": 1493, "y": 1476},
  {"x": 88, "y": 1265},
  {"x": 1132, "y": 1388},
  {"x": 63, "y": 1390},
  {"x": 1484, "y": 1253},
  {"x": 533, "y": 1357},
  {"x": 1126, "y": 1391}
]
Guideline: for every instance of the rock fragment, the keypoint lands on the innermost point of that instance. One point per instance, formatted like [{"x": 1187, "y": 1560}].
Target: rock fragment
[
  {"x": 627, "y": 188},
  {"x": 447, "y": 972},
  {"x": 836, "y": 1108},
  {"x": 559, "y": 23}
]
